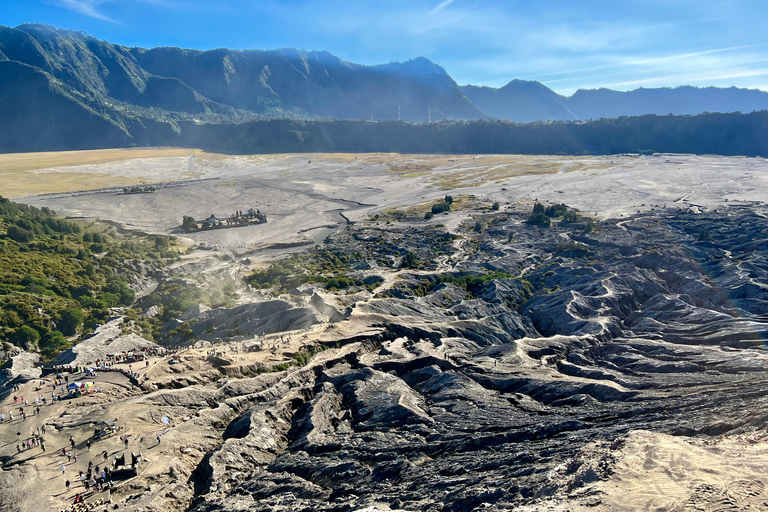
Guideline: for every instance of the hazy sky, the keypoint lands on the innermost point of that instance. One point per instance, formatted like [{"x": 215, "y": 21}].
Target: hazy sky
[{"x": 566, "y": 44}]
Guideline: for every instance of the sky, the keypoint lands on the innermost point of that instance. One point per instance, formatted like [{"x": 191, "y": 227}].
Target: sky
[{"x": 565, "y": 44}]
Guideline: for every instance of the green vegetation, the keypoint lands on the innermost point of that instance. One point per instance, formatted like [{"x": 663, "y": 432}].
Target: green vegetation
[
  {"x": 58, "y": 280},
  {"x": 326, "y": 266},
  {"x": 470, "y": 283},
  {"x": 188, "y": 223},
  {"x": 555, "y": 210},
  {"x": 541, "y": 216},
  {"x": 495, "y": 206},
  {"x": 306, "y": 354},
  {"x": 570, "y": 217},
  {"x": 441, "y": 207},
  {"x": 538, "y": 219},
  {"x": 573, "y": 248},
  {"x": 410, "y": 260}
]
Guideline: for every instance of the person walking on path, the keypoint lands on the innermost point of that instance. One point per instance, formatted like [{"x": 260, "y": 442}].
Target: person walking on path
[{"x": 63, "y": 469}]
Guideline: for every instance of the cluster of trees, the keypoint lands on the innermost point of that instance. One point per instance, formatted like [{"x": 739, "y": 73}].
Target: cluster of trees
[
  {"x": 188, "y": 223},
  {"x": 473, "y": 284},
  {"x": 328, "y": 266},
  {"x": 23, "y": 223},
  {"x": 440, "y": 207},
  {"x": 541, "y": 216},
  {"x": 52, "y": 283},
  {"x": 709, "y": 133}
]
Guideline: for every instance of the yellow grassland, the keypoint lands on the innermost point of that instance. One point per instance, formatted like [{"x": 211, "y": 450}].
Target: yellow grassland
[{"x": 24, "y": 174}]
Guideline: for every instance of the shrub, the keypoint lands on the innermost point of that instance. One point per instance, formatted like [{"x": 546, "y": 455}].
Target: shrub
[
  {"x": 409, "y": 260},
  {"x": 556, "y": 210},
  {"x": 495, "y": 206},
  {"x": 478, "y": 227},
  {"x": 188, "y": 223},
  {"x": 538, "y": 219},
  {"x": 449, "y": 200},
  {"x": 161, "y": 242},
  {"x": 538, "y": 208},
  {"x": 26, "y": 337},
  {"x": 440, "y": 208},
  {"x": 20, "y": 235},
  {"x": 52, "y": 343},
  {"x": 575, "y": 249},
  {"x": 70, "y": 321},
  {"x": 428, "y": 215}
]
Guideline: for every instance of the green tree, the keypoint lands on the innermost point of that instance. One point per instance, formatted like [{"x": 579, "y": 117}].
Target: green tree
[
  {"x": 538, "y": 219},
  {"x": 495, "y": 206},
  {"x": 125, "y": 296},
  {"x": 161, "y": 242},
  {"x": 409, "y": 260},
  {"x": 20, "y": 235},
  {"x": 449, "y": 200},
  {"x": 70, "y": 320},
  {"x": 52, "y": 342},
  {"x": 188, "y": 223},
  {"x": 440, "y": 208},
  {"x": 26, "y": 337}
]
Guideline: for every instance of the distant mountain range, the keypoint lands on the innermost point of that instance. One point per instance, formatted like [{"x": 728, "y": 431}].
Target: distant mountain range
[
  {"x": 65, "y": 89},
  {"x": 527, "y": 101}
]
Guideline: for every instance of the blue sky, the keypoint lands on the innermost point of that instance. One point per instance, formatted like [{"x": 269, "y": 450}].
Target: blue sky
[{"x": 564, "y": 44}]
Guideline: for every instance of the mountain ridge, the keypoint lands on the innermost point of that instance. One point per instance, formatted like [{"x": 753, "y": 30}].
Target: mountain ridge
[
  {"x": 522, "y": 101},
  {"x": 86, "y": 92}
]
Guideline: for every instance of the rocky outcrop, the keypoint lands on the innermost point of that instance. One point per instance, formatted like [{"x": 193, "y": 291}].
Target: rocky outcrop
[
  {"x": 108, "y": 340},
  {"x": 254, "y": 319},
  {"x": 22, "y": 366}
]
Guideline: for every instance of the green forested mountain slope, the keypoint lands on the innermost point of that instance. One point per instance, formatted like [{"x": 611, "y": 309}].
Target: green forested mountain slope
[{"x": 58, "y": 279}]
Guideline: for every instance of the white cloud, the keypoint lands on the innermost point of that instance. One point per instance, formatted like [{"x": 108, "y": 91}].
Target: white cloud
[
  {"x": 87, "y": 7},
  {"x": 440, "y": 7},
  {"x": 91, "y": 7}
]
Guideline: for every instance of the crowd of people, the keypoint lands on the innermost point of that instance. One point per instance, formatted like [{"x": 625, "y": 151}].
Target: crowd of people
[
  {"x": 110, "y": 361},
  {"x": 96, "y": 477}
]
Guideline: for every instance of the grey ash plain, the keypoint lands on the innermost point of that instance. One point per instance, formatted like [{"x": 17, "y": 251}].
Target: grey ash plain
[{"x": 621, "y": 368}]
